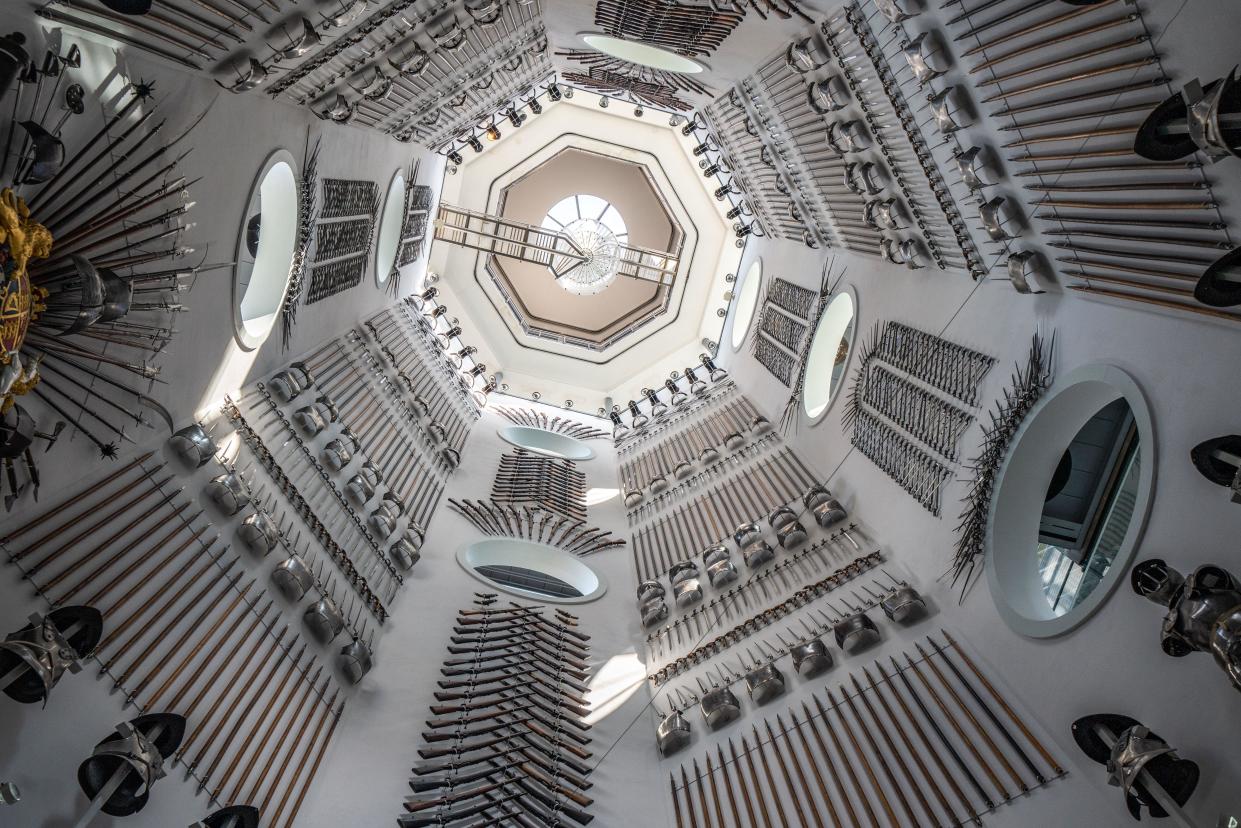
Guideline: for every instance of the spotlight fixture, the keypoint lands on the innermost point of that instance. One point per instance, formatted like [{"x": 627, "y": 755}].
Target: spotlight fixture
[
  {"x": 568, "y": 93},
  {"x": 515, "y": 118},
  {"x": 535, "y": 106},
  {"x": 553, "y": 92},
  {"x": 603, "y": 101},
  {"x": 474, "y": 143},
  {"x": 493, "y": 133},
  {"x": 675, "y": 121},
  {"x": 455, "y": 157},
  {"x": 638, "y": 112}
]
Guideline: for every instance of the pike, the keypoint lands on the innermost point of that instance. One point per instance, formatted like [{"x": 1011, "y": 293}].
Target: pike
[
  {"x": 302, "y": 720},
  {"x": 814, "y": 766},
  {"x": 1128, "y": 221},
  {"x": 883, "y": 762},
  {"x": 1151, "y": 60},
  {"x": 745, "y": 791},
  {"x": 1124, "y": 254},
  {"x": 1061, "y": 38},
  {"x": 127, "y": 20},
  {"x": 179, "y": 525},
  {"x": 689, "y": 801},
  {"x": 100, "y": 547},
  {"x": 784, "y": 772},
  {"x": 1037, "y": 27},
  {"x": 314, "y": 768},
  {"x": 158, "y": 568},
  {"x": 853, "y": 778},
  {"x": 891, "y": 746},
  {"x": 307, "y": 691},
  {"x": 758, "y": 788},
  {"x": 1074, "y": 136},
  {"x": 1156, "y": 240},
  {"x": 1095, "y": 113}
]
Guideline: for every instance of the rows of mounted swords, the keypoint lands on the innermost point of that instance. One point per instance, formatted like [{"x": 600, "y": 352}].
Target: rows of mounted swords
[
  {"x": 536, "y": 524},
  {"x": 926, "y": 740},
  {"x": 733, "y": 508},
  {"x": 110, "y": 204},
  {"x": 1125, "y": 204},
  {"x": 508, "y": 740},
  {"x": 343, "y": 237},
  {"x": 688, "y": 393},
  {"x": 550, "y": 483},
  {"x": 784, "y": 321},
  {"x": 907, "y": 429},
  {"x": 168, "y": 615},
  {"x": 529, "y": 418},
  {"x": 654, "y": 475},
  {"x": 418, "y": 200}
]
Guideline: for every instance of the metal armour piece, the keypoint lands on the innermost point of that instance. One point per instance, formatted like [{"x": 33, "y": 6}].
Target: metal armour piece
[
  {"x": 993, "y": 218},
  {"x": 715, "y": 554},
  {"x": 791, "y": 535},
  {"x": 801, "y": 56},
  {"x": 708, "y": 456},
  {"x": 757, "y": 553},
  {"x": 336, "y": 455},
  {"x": 918, "y": 62},
  {"x": 44, "y": 649},
  {"x": 659, "y": 484},
  {"x": 309, "y": 419},
  {"x": 293, "y": 578},
  {"x": 1021, "y": 272},
  {"x": 903, "y": 605},
  {"x": 290, "y": 382},
  {"x": 1204, "y": 611},
  {"x": 229, "y": 492},
  {"x": 681, "y": 571},
  {"x": 966, "y": 168},
  {"x": 324, "y": 619},
  {"x": 826, "y": 509},
  {"x": 633, "y": 497},
  {"x": 405, "y": 552},
  {"x": 193, "y": 445},
  {"x": 811, "y": 658},
  {"x": 1133, "y": 749},
  {"x": 356, "y": 660},
  {"x": 722, "y": 573},
  {"x": 130, "y": 747},
  {"x": 653, "y": 612},
  {"x": 672, "y": 733},
  {"x": 942, "y": 106},
  {"x": 747, "y": 533},
  {"x": 258, "y": 533},
  {"x": 687, "y": 592},
  {"x": 764, "y": 683},
  {"x": 9, "y": 793},
  {"x": 719, "y": 706},
  {"x": 733, "y": 440},
  {"x": 855, "y": 633},
  {"x": 891, "y": 9},
  {"x": 650, "y": 589},
  {"x": 1204, "y": 111},
  {"x": 361, "y": 487}
]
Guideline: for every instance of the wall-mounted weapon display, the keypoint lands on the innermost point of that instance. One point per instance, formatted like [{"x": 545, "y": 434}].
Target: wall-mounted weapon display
[
  {"x": 536, "y": 524},
  {"x": 778, "y": 340},
  {"x": 907, "y": 431},
  {"x": 552, "y": 484},
  {"x": 1139, "y": 762},
  {"x": 137, "y": 583},
  {"x": 415, "y": 219},
  {"x": 1025, "y": 388},
  {"x": 681, "y": 404},
  {"x": 92, "y": 239},
  {"x": 559, "y": 425},
  {"x": 1219, "y": 461},
  {"x": 637, "y": 83},
  {"x": 307, "y": 216},
  {"x": 343, "y": 236},
  {"x": 902, "y": 744},
  {"x": 683, "y": 28},
  {"x": 508, "y": 737}
]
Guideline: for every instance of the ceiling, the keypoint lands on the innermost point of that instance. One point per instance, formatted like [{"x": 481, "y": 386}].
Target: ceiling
[{"x": 539, "y": 300}]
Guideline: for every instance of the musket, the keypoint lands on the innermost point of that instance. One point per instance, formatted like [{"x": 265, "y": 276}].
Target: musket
[
  {"x": 179, "y": 524},
  {"x": 414, "y": 805},
  {"x": 814, "y": 766},
  {"x": 452, "y": 779},
  {"x": 180, "y": 643},
  {"x": 745, "y": 790},
  {"x": 892, "y": 749},
  {"x": 551, "y": 691},
  {"x": 259, "y": 617},
  {"x": 314, "y": 769},
  {"x": 523, "y": 640},
  {"x": 956, "y": 726},
  {"x": 112, "y": 496},
  {"x": 926, "y": 744},
  {"x": 461, "y": 721},
  {"x": 514, "y": 658},
  {"x": 1025, "y": 731},
  {"x": 451, "y": 817}
]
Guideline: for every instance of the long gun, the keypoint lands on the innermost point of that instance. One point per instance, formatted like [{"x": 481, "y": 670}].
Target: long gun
[{"x": 504, "y": 680}]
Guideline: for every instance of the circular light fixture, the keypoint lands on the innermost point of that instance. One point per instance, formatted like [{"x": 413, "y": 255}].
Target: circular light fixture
[
  {"x": 829, "y": 355},
  {"x": 642, "y": 53},
  {"x": 389, "y": 237},
  {"x": 265, "y": 246},
  {"x": 598, "y": 230},
  {"x": 747, "y": 301},
  {"x": 493, "y": 133}
]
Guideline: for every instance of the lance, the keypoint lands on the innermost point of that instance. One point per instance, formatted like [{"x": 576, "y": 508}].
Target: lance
[
  {"x": 102, "y": 219},
  {"x": 235, "y": 684},
  {"x": 100, "y": 547},
  {"x": 259, "y": 617},
  {"x": 293, "y": 668},
  {"x": 1058, "y": 39},
  {"x": 185, "y": 636},
  {"x": 314, "y": 769},
  {"x": 888, "y": 742},
  {"x": 152, "y": 489},
  {"x": 272, "y": 721},
  {"x": 159, "y": 612}
]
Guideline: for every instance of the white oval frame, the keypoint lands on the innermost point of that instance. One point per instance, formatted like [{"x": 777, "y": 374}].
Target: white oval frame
[
  {"x": 246, "y": 339},
  {"x": 381, "y": 281},
  {"x": 1012, "y": 527},
  {"x": 559, "y": 563},
  {"x": 741, "y": 287},
  {"x": 702, "y": 65},
  {"x": 851, "y": 292},
  {"x": 512, "y": 435}
]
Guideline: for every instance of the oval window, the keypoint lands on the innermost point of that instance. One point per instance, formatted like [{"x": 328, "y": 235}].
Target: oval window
[
  {"x": 531, "y": 570},
  {"x": 549, "y": 443},
  {"x": 1070, "y": 502},
  {"x": 829, "y": 354},
  {"x": 265, "y": 248},
  {"x": 390, "y": 224},
  {"x": 747, "y": 301}
]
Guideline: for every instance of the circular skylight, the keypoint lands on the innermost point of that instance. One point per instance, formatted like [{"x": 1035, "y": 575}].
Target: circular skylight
[
  {"x": 642, "y": 54},
  {"x": 747, "y": 301},
  {"x": 265, "y": 250},
  {"x": 390, "y": 229},
  {"x": 598, "y": 230}
]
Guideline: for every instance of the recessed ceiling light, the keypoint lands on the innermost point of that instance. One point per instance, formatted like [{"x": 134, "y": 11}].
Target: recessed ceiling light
[{"x": 642, "y": 53}]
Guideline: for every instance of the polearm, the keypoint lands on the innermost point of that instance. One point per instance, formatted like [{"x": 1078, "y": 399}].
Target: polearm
[
  {"x": 689, "y": 800},
  {"x": 1025, "y": 731},
  {"x": 93, "y": 576},
  {"x": 758, "y": 786},
  {"x": 308, "y": 691},
  {"x": 150, "y": 576},
  {"x": 814, "y": 766},
  {"x": 926, "y": 744},
  {"x": 303, "y": 722},
  {"x": 853, "y": 779},
  {"x": 314, "y": 769},
  {"x": 969, "y": 714},
  {"x": 52, "y": 535},
  {"x": 866, "y": 767},
  {"x": 956, "y": 726},
  {"x": 771, "y": 780},
  {"x": 58, "y": 510},
  {"x": 745, "y": 790},
  {"x": 715, "y": 793},
  {"x": 801, "y": 774},
  {"x": 952, "y": 751},
  {"x": 891, "y": 746}
]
